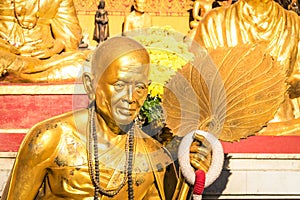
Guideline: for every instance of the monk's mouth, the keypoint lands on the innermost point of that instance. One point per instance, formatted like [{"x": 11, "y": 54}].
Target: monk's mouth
[{"x": 126, "y": 111}]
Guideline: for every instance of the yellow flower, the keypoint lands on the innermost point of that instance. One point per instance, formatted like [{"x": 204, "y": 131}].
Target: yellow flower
[{"x": 168, "y": 53}]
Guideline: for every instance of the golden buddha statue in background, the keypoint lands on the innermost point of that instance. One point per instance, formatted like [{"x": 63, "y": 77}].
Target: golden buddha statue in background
[
  {"x": 198, "y": 11},
  {"x": 39, "y": 41},
  {"x": 137, "y": 19},
  {"x": 255, "y": 21},
  {"x": 200, "y": 8},
  {"x": 99, "y": 151}
]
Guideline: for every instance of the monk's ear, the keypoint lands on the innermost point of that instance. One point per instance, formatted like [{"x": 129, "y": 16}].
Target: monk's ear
[{"x": 88, "y": 79}]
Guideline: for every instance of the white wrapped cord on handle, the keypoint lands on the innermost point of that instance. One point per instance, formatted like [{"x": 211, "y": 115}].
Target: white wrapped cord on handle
[{"x": 216, "y": 166}]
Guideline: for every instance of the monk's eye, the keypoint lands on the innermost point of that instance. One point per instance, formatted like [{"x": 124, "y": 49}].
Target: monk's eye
[
  {"x": 140, "y": 88},
  {"x": 119, "y": 86}
]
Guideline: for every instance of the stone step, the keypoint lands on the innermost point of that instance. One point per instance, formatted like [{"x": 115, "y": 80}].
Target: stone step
[
  {"x": 10, "y": 142},
  {"x": 244, "y": 176},
  {"x": 23, "y": 105}
]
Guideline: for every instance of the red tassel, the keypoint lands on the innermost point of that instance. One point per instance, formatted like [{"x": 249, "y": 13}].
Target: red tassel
[{"x": 199, "y": 182}]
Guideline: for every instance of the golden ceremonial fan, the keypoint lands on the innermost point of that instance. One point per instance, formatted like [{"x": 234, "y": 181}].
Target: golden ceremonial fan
[{"x": 232, "y": 93}]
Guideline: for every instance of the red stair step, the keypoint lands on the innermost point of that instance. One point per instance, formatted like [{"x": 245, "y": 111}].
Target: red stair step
[{"x": 23, "y": 111}]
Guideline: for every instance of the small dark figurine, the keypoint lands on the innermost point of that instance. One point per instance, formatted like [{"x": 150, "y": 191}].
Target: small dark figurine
[
  {"x": 101, "y": 32},
  {"x": 290, "y": 5}
]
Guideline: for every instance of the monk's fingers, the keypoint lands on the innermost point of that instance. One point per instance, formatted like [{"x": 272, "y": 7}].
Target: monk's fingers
[
  {"x": 33, "y": 42},
  {"x": 202, "y": 140},
  {"x": 198, "y": 157},
  {"x": 199, "y": 165},
  {"x": 199, "y": 150}
]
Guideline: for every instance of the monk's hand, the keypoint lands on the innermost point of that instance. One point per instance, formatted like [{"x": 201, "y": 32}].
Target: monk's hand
[
  {"x": 200, "y": 153},
  {"x": 37, "y": 48},
  {"x": 58, "y": 47},
  {"x": 7, "y": 47}
]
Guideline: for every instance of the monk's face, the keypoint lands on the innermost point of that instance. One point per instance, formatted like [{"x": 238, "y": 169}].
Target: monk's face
[
  {"x": 123, "y": 87},
  {"x": 140, "y": 5}
]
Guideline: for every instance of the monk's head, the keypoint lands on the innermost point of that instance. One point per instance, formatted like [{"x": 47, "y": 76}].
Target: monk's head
[
  {"x": 139, "y": 5},
  {"x": 119, "y": 80}
]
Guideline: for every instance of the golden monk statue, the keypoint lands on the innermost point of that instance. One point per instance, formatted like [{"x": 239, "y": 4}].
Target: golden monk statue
[
  {"x": 39, "y": 41},
  {"x": 98, "y": 152},
  {"x": 200, "y": 8},
  {"x": 137, "y": 19},
  {"x": 255, "y": 21}
]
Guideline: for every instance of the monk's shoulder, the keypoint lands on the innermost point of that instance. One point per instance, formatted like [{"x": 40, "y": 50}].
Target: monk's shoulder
[{"x": 48, "y": 133}]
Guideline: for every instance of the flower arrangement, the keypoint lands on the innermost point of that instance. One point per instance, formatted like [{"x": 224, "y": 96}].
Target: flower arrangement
[{"x": 168, "y": 53}]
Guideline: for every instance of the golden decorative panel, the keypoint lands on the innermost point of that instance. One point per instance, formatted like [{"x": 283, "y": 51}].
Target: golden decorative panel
[{"x": 121, "y": 7}]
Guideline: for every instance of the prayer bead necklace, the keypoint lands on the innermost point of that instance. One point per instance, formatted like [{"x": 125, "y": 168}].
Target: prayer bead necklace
[
  {"x": 95, "y": 171},
  {"x": 20, "y": 22}
]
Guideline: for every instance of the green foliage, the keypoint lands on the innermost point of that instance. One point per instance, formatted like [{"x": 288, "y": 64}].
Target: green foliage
[{"x": 152, "y": 111}]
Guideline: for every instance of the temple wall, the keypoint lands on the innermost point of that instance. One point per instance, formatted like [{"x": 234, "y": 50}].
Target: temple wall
[
  {"x": 163, "y": 12},
  {"x": 179, "y": 23}
]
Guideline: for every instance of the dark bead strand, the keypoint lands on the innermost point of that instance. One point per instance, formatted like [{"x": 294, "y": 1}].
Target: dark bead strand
[
  {"x": 96, "y": 157},
  {"x": 130, "y": 164},
  {"x": 96, "y": 193},
  {"x": 95, "y": 171}
]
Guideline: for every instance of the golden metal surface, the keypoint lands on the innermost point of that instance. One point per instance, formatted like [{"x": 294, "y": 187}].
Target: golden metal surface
[
  {"x": 157, "y": 7},
  {"x": 39, "y": 41},
  {"x": 138, "y": 18},
  {"x": 253, "y": 21},
  {"x": 52, "y": 161},
  {"x": 200, "y": 8},
  {"x": 233, "y": 101}
]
